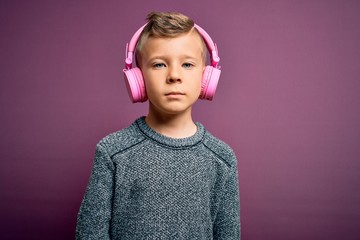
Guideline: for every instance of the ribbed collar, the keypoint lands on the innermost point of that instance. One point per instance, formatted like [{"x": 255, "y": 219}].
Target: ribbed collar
[{"x": 168, "y": 141}]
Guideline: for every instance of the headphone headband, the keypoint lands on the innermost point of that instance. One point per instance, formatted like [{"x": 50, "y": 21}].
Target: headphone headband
[{"x": 211, "y": 46}]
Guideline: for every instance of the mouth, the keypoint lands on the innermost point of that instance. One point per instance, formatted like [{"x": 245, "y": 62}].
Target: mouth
[{"x": 174, "y": 94}]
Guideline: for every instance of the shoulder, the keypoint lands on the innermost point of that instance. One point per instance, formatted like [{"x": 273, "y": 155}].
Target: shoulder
[
  {"x": 221, "y": 149},
  {"x": 121, "y": 140}
]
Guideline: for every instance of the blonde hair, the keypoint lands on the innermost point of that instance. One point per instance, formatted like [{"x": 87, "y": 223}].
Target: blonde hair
[{"x": 167, "y": 25}]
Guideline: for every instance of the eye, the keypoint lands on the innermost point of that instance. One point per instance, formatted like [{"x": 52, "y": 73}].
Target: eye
[
  {"x": 188, "y": 65},
  {"x": 158, "y": 65}
]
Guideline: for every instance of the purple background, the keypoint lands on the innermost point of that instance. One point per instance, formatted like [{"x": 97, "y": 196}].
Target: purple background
[{"x": 288, "y": 104}]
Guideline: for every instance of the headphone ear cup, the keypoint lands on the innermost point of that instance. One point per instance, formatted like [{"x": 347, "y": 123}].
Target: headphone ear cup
[
  {"x": 135, "y": 84},
  {"x": 209, "y": 82}
]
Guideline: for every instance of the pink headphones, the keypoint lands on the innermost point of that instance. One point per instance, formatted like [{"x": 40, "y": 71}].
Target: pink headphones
[{"x": 135, "y": 82}]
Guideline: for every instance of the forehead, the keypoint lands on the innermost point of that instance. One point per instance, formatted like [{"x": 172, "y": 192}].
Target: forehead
[{"x": 190, "y": 44}]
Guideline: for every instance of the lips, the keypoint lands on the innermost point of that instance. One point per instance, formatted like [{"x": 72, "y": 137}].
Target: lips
[{"x": 174, "y": 94}]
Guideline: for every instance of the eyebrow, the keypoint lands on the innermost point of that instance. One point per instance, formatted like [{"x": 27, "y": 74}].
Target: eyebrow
[{"x": 164, "y": 57}]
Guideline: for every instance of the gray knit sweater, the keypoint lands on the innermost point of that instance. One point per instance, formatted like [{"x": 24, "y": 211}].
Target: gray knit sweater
[{"x": 147, "y": 186}]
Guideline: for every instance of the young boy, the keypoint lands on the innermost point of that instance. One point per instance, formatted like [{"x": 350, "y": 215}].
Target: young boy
[{"x": 164, "y": 177}]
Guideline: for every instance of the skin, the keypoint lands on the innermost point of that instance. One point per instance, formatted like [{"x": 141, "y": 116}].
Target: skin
[{"x": 172, "y": 70}]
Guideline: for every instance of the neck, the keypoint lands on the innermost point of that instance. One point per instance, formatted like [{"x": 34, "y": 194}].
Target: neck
[{"x": 172, "y": 125}]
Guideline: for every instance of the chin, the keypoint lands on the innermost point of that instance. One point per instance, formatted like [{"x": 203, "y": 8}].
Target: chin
[
  {"x": 171, "y": 108},
  {"x": 176, "y": 110}
]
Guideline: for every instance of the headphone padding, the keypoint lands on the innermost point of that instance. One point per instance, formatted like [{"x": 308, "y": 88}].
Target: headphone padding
[
  {"x": 135, "y": 85},
  {"x": 209, "y": 82}
]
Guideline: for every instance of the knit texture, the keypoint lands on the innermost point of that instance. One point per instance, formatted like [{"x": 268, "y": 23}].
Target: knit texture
[{"x": 145, "y": 185}]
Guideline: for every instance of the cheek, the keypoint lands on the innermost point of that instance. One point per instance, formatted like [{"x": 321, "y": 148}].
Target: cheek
[
  {"x": 150, "y": 88},
  {"x": 198, "y": 83},
  {"x": 147, "y": 80}
]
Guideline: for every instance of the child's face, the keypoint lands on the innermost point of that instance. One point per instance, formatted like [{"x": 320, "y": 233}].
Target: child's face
[{"x": 172, "y": 70}]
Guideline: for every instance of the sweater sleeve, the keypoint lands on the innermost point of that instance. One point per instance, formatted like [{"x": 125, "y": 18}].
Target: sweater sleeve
[
  {"x": 227, "y": 222},
  {"x": 95, "y": 211}
]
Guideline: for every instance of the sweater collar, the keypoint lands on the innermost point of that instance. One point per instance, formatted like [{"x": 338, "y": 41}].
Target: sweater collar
[{"x": 168, "y": 141}]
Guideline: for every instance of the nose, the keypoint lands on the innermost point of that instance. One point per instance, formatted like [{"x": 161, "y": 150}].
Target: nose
[{"x": 174, "y": 75}]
